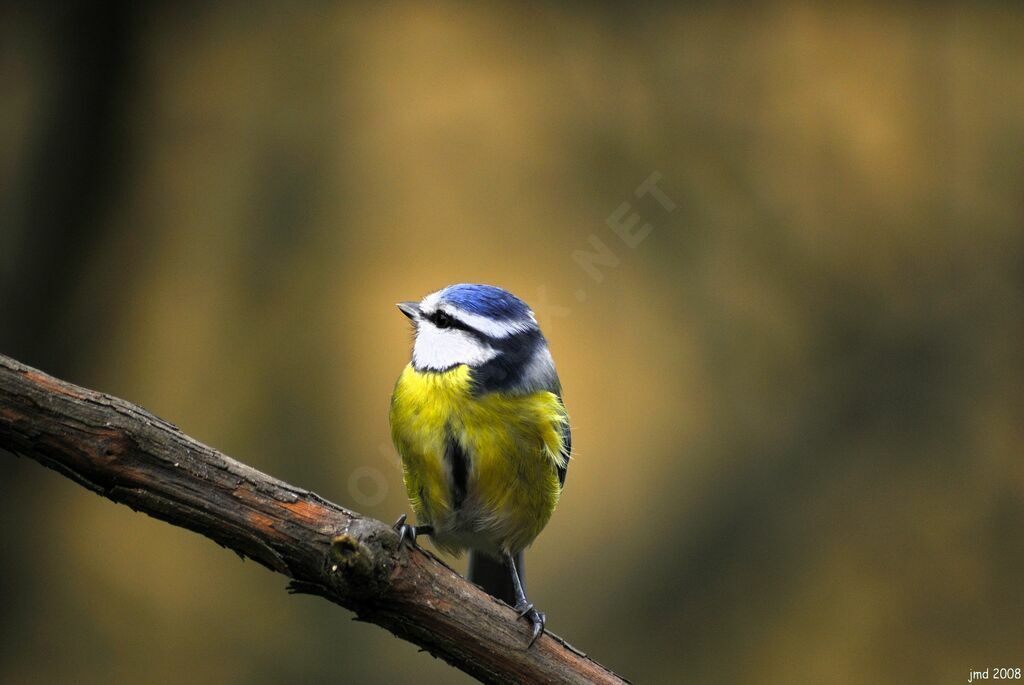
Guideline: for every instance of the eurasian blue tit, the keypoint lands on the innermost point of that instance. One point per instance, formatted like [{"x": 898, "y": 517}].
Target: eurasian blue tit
[{"x": 478, "y": 418}]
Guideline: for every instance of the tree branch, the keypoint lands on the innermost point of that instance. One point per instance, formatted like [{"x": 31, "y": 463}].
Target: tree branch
[{"x": 126, "y": 454}]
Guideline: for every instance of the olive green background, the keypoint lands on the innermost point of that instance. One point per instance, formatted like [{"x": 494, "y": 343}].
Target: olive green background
[{"x": 796, "y": 404}]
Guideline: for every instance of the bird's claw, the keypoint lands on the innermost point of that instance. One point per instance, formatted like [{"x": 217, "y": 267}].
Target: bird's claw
[
  {"x": 407, "y": 531},
  {"x": 536, "y": 619}
]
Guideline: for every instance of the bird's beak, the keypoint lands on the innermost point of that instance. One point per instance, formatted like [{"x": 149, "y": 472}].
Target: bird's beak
[{"x": 410, "y": 309}]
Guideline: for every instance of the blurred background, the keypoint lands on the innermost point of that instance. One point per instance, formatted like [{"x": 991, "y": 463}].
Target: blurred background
[{"x": 796, "y": 403}]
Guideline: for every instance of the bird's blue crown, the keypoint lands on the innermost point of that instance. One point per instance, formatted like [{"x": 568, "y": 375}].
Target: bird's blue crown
[{"x": 486, "y": 300}]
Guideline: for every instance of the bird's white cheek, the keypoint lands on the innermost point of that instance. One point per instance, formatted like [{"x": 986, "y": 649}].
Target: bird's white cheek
[{"x": 439, "y": 349}]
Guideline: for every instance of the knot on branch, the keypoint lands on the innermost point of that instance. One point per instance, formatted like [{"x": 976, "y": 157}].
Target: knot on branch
[
  {"x": 359, "y": 558},
  {"x": 350, "y": 556}
]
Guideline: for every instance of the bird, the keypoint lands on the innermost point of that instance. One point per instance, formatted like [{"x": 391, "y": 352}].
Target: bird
[{"x": 478, "y": 420}]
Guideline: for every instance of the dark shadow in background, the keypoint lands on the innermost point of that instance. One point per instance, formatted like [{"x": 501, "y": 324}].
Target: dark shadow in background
[
  {"x": 76, "y": 162},
  {"x": 78, "y": 159}
]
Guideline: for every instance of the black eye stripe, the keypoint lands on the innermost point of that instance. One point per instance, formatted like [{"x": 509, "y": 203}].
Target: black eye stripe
[{"x": 443, "y": 320}]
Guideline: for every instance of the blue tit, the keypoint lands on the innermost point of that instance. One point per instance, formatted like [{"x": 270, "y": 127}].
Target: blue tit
[{"x": 478, "y": 419}]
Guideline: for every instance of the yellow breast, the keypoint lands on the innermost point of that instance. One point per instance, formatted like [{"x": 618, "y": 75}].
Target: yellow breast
[{"x": 513, "y": 444}]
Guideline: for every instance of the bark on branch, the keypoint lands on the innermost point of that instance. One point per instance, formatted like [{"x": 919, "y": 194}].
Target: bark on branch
[{"x": 126, "y": 454}]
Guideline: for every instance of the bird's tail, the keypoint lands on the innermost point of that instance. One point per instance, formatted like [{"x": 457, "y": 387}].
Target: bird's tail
[{"x": 491, "y": 575}]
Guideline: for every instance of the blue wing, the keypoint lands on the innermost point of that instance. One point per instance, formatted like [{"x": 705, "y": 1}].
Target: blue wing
[
  {"x": 566, "y": 452},
  {"x": 555, "y": 385}
]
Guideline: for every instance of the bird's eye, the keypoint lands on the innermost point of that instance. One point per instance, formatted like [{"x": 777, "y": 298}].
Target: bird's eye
[{"x": 442, "y": 320}]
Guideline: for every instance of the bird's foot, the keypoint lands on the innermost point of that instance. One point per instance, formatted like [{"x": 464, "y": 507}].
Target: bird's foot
[
  {"x": 535, "y": 618},
  {"x": 407, "y": 531}
]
